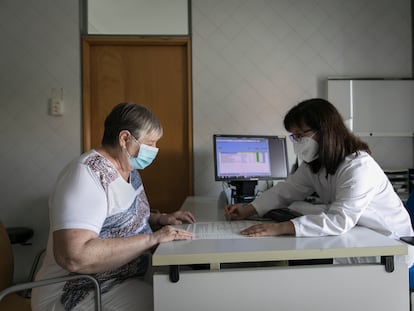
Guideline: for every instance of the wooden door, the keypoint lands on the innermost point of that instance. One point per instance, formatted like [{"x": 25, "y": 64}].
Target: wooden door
[{"x": 155, "y": 73}]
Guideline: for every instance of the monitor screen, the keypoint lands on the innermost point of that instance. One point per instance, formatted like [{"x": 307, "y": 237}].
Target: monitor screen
[{"x": 249, "y": 157}]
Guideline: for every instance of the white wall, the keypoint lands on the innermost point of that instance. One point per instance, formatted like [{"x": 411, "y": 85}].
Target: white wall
[
  {"x": 40, "y": 51},
  {"x": 252, "y": 61}
]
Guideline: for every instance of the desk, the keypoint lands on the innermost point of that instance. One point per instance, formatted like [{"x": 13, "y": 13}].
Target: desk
[{"x": 271, "y": 287}]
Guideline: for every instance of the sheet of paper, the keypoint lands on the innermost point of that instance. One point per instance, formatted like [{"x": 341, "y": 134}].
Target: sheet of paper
[{"x": 219, "y": 229}]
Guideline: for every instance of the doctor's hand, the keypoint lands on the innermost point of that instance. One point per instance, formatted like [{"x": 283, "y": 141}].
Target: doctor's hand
[
  {"x": 270, "y": 229},
  {"x": 238, "y": 211},
  {"x": 176, "y": 218}
]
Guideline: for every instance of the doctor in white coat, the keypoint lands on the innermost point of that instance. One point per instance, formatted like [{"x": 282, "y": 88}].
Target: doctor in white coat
[{"x": 338, "y": 166}]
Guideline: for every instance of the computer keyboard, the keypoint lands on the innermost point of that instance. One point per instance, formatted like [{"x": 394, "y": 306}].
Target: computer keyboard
[{"x": 282, "y": 214}]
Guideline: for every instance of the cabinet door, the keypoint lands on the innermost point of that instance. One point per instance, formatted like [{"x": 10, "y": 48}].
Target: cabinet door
[
  {"x": 375, "y": 107},
  {"x": 155, "y": 73}
]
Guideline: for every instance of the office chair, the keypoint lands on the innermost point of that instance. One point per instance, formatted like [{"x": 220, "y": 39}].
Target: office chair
[
  {"x": 10, "y": 300},
  {"x": 409, "y": 205}
]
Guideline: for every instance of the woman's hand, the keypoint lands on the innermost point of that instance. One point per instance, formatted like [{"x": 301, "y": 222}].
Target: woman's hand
[
  {"x": 176, "y": 218},
  {"x": 170, "y": 233},
  {"x": 270, "y": 229},
  {"x": 238, "y": 211}
]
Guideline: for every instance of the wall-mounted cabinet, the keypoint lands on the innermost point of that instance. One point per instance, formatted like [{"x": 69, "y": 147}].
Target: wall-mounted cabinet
[{"x": 375, "y": 107}]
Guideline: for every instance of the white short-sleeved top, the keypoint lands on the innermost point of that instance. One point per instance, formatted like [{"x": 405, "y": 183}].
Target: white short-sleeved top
[
  {"x": 90, "y": 194},
  {"x": 90, "y": 190}
]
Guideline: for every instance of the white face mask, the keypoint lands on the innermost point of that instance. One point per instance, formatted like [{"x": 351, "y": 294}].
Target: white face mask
[{"x": 306, "y": 149}]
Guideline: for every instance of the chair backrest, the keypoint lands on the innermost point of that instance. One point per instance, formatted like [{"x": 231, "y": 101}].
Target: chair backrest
[
  {"x": 6, "y": 259},
  {"x": 409, "y": 205}
]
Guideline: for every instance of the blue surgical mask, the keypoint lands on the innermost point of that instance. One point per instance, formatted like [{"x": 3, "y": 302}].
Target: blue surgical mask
[{"x": 146, "y": 155}]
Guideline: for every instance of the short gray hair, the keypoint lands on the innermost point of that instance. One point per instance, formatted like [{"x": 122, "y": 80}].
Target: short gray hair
[{"x": 137, "y": 119}]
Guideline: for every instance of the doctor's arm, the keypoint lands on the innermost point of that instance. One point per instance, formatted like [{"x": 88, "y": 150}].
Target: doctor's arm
[
  {"x": 239, "y": 211},
  {"x": 270, "y": 229}
]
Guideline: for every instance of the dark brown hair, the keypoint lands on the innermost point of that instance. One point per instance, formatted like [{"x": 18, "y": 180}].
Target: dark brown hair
[{"x": 335, "y": 140}]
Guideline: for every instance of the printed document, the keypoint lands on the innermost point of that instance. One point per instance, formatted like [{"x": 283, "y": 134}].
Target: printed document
[{"x": 219, "y": 229}]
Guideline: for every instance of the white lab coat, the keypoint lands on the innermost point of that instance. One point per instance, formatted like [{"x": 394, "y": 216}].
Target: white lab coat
[{"x": 358, "y": 194}]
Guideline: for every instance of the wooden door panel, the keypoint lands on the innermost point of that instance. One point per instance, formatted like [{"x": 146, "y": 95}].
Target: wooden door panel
[{"x": 154, "y": 73}]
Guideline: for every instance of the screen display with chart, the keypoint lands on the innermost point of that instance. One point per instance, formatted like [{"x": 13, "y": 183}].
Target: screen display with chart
[{"x": 248, "y": 157}]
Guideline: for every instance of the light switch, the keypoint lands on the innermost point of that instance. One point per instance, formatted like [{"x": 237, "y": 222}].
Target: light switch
[{"x": 56, "y": 107}]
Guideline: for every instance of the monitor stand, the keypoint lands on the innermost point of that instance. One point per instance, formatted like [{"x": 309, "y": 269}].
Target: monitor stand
[{"x": 243, "y": 191}]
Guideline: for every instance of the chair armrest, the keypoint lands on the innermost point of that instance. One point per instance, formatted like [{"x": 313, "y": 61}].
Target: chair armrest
[
  {"x": 39, "y": 283},
  {"x": 35, "y": 265}
]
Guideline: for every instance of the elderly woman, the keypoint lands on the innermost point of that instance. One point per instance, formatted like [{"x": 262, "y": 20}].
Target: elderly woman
[{"x": 100, "y": 220}]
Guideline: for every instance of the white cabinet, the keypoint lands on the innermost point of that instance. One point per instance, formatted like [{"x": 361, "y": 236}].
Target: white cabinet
[{"x": 375, "y": 107}]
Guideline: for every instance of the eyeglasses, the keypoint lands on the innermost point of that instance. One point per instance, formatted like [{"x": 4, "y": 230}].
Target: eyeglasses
[
  {"x": 297, "y": 138},
  {"x": 152, "y": 143},
  {"x": 136, "y": 140}
]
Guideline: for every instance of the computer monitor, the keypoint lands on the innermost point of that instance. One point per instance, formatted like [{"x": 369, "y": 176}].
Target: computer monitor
[{"x": 242, "y": 160}]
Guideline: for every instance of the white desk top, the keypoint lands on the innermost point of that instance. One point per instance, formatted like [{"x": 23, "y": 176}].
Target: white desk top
[{"x": 356, "y": 243}]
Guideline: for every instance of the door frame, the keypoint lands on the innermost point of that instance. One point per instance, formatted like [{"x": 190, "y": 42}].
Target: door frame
[{"x": 88, "y": 42}]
